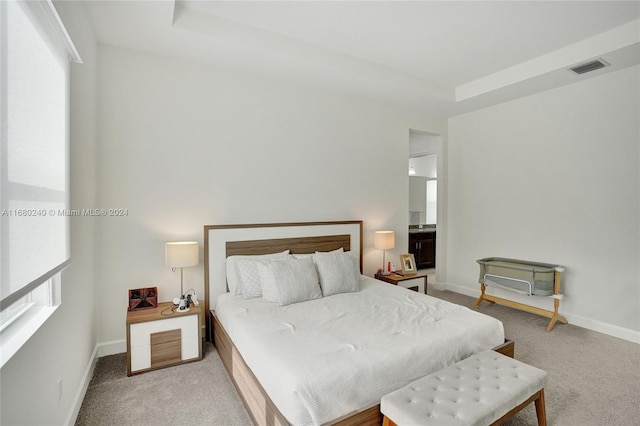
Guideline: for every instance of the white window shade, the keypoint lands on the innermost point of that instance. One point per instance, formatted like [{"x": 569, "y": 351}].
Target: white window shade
[{"x": 34, "y": 168}]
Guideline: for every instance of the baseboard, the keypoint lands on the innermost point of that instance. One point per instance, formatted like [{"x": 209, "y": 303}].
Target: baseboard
[
  {"x": 112, "y": 348},
  {"x": 72, "y": 416},
  {"x": 102, "y": 349},
  {"x": 437, "y": 285},
  {"x": 577, "y": 320},
  {"x": 603, "y": 327},
  {"x": 461, "y": 290}
]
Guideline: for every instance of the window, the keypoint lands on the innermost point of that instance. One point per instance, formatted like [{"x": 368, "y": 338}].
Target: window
[{"x": 34, "y": 169}]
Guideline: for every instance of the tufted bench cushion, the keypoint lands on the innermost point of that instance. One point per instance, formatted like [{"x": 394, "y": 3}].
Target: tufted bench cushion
[{"x": 483, "y": 389}]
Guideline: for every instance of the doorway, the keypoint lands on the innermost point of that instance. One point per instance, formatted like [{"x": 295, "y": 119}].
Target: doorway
[{"x": 424, "y": 164}]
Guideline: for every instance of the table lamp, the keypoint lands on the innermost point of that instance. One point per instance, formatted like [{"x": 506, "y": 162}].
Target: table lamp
[
  {"x": 181, "y": 254},
  {"x": 384, "y": 240}
]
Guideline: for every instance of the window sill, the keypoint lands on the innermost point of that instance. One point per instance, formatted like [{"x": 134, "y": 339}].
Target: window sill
[{"x": 16, "y": 334}]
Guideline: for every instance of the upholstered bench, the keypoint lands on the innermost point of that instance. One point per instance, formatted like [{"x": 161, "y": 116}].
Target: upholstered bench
[{"x": 484, "y": 389}]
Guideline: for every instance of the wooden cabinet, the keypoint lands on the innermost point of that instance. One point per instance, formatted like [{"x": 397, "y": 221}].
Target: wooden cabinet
[
  {"x": 423, "y": 247},
  {"x": 161, "y": 337}
]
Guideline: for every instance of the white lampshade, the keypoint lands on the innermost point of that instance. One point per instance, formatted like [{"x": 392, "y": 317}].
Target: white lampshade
[
  {"x": 181, "y": 254},
  {"x": 384, "y": 240}
]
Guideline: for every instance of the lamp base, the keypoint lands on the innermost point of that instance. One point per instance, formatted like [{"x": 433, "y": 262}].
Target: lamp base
[{"x": 182, "y": 304}]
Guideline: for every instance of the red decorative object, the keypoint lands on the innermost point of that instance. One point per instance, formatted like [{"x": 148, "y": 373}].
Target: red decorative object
[{"x": 143, "y": 298}]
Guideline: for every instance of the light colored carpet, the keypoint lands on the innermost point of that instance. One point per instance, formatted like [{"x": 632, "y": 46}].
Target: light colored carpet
[
  {"x": 594, "y": 380},
  {"x": 198, "y": 393}
]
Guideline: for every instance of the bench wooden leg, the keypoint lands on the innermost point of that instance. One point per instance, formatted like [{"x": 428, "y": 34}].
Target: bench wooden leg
[
  {"x": 388, "y": 422},
  {"x": 538, "y": 398},
  {"x": 541, "y": 411}
]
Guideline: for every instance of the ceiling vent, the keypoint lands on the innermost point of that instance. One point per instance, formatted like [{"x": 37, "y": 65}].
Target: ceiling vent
[{"x": 590, "y": 66}]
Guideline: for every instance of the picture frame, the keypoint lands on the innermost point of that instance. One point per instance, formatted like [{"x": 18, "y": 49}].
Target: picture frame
[
  {"x": 408, "y": 264},
  {"x": 143, "y": 298}
]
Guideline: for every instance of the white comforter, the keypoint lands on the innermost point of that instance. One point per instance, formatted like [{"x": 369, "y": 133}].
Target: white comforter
[{"x": 325, "y": 358}]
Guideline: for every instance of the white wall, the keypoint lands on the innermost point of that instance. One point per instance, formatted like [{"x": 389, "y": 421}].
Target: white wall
[
  {"x": 183, "y": 145},
  {"x": 63, "y": 346},
  {"x": 554, "y": 178}
]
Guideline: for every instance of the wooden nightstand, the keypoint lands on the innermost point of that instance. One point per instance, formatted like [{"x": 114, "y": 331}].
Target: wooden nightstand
[
  {"x": 158, "y": 338},
  {"x": 410, "y": 281}
]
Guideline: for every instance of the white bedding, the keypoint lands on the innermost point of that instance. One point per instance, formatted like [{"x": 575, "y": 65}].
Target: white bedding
[{"x": 325, "y": 358}]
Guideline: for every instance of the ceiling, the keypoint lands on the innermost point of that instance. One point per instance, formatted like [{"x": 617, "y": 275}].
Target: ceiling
[{"x": 446, "y": 56}]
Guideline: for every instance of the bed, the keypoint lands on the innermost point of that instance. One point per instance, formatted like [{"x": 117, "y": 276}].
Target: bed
[{"x": 329, "y": 358}]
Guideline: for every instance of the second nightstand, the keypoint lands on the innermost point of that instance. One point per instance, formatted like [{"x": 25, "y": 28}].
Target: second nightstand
[{"x": 410, "y": 281}]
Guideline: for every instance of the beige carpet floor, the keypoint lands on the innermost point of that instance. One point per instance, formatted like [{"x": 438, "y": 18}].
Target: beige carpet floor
[{"x": 594, "y": 380}]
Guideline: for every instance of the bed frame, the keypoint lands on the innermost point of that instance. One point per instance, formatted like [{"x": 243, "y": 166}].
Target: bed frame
[{"x": 221, "y": 241}]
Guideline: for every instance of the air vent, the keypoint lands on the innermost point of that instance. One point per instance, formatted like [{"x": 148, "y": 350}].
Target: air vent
[{"x": 590, "y": 66}]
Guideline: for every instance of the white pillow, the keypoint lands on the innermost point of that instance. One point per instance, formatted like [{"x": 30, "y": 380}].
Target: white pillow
[
  {"x": 302, "y": 256},
  {"x": 339, "y": 272},
  {"x": 233, "y": 276},
  {"x": 248, "y": 278},
  {"x": 267, "y": 283},
  {"x": 289, "y": 280},
  {"x": 311, "y": 255}
]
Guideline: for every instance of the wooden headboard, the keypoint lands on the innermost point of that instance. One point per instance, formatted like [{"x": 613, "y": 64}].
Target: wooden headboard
[{"x": 221, "y": 241}]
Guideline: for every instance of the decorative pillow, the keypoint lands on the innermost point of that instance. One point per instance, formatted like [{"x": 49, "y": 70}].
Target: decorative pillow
[
  {"x": 339, "y": 272},
  {"x": 233, "y": 275},
  {"x": 248, "y": 278},
  {"x": 289, "y": 280}
]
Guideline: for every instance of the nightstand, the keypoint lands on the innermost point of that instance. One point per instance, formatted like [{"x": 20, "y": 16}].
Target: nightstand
[
  {"x": 410, "y": 281},
  {"x": 162, "y": 337}
]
